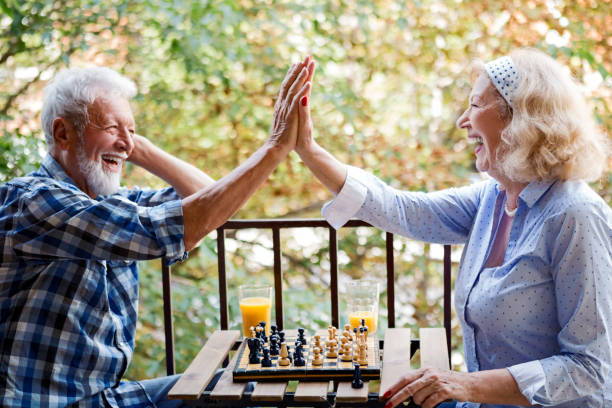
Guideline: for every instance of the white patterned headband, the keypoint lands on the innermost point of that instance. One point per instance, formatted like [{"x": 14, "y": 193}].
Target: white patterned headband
[{"x": 504, "y": 75}]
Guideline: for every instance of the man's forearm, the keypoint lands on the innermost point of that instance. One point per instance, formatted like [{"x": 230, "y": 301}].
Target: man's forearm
[
  {"x": 185, "y": 178},
  {"x": 213, "y": 205}
]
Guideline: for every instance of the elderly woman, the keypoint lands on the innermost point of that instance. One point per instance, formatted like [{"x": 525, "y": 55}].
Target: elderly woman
[{"x": 534, "y": 289}]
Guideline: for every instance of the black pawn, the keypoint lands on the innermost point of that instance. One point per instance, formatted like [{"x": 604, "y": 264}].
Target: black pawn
[
  {"x": 301, "y": 337},
  {"x": 273, "y": 330},
  {"x": 274, "y": 348},
  {"x": 357, "y": 381},
  {"x": 266, "y": 361},
  {"x": 281, "y": 334}
]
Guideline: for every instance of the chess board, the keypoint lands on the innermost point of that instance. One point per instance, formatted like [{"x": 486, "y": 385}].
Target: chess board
[{"x": 332, "y": 368}]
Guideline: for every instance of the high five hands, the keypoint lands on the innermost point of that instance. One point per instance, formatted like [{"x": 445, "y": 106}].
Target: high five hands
[{"x": 294, "y": 92}]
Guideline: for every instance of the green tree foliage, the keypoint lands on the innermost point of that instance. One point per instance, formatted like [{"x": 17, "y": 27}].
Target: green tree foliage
[{"x": 392, "y": 78}]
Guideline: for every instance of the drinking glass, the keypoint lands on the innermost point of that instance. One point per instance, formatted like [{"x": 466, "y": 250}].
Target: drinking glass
[
  {"x": 362, "y": 303},
  {"x": 255, "y": 306}
]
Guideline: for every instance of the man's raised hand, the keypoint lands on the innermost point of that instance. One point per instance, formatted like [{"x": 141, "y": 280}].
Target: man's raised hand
[{"x": 285, "y": 123}]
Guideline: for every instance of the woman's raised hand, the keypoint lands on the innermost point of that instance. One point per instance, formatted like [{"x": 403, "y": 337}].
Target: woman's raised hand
[
  {"x": 285, "y": 124},
  {"x": 304, "y": 139}
]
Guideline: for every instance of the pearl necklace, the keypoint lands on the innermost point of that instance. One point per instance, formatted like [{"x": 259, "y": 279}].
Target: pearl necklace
[{"x": 509, "y": 213}]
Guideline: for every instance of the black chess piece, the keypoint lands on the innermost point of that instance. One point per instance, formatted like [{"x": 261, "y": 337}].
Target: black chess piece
[
  {"x": 266, "y": 361},
  {"x": 254, "y": 344},
  {"x": 273, "y": 330},
  {"x": 274, "y": 345},
  {"x": 357, "y": 381},
  {"x": 263, "y": 332},
  {"x": 281, "y": 334},
  {"x": 298, "y": 356},
  {"x": 301, "y": 337}
]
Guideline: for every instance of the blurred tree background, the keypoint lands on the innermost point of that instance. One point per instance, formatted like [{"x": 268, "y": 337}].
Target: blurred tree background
[{"x": 392, "y": 78}]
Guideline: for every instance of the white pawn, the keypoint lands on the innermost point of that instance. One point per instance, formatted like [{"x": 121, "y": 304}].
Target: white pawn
[
  {"x": 317, "y": 360},
  {"x": 347, "y": 354},
  {"x": 331, "y": 352},
  {"x": 284, "y": 355}
]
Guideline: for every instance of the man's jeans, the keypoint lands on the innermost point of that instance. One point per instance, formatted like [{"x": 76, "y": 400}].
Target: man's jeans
[{"x": 158, "y": 389}]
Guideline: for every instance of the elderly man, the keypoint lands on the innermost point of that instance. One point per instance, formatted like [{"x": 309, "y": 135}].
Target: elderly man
[{"x": 71, "y": 238}]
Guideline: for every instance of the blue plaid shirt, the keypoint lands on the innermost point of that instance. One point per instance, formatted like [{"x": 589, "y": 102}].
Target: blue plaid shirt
[{"x": 69, "y": 287}]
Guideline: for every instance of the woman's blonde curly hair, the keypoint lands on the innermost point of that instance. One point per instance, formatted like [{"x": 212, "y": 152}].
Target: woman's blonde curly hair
[{"x": 551, "y": 132}]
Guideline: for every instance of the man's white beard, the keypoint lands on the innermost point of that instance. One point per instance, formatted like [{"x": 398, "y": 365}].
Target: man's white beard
[{"x": 99, "y": 181}]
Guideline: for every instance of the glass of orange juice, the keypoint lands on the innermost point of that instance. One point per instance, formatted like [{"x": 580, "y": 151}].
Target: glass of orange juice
[
  {"x": 255, "y": 306},
  {"x": 362, "y": 303}
]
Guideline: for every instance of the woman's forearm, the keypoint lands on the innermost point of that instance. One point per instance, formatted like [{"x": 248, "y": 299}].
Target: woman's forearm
[
  {"x": 329, "y": 170},
  {"x": 496, "y": 387}
]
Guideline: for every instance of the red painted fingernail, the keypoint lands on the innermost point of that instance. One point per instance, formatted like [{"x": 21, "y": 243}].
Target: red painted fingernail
[
  {"x": 387, "y": 394},
  {"x": 388, "y": 405},
  {"x": 304, "y": 101}
]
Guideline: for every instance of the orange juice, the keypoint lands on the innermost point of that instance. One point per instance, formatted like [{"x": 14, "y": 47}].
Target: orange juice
[
  {"x": 369, "y": 317},
  {"x": 255, "y": 310}
]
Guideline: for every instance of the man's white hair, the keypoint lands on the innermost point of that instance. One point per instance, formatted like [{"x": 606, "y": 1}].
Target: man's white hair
[{"x": 70, "y": 93}]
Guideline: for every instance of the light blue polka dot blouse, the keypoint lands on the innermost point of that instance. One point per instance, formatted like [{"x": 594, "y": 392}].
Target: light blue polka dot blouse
[{"x": 546, "y": 312}]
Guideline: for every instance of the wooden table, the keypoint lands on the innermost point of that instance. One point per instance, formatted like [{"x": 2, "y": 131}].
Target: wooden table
[{"x": 203, "y": 384}]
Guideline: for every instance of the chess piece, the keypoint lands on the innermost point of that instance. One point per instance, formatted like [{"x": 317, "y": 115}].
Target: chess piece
[
  {"x": 281, "y": 334},
  {"x": 330, "y": 333},
  {"x": 266, "y": 361},
  {"x": 362, "y": 336},
  {"x": 274, "y": 342},
  {"x": 253, "y": 333},
  {"x": 347, "y": 354},
  {"x": 284, "y": 355},
  {"x": 362, "y": 324},
  {"x": 301, "y": 338},
  {"x": 357, "y": 381},
  {"x": 298, "y": 357},
  {"x": 363, "y": 355},
  {"x": 347, "y": 327},
  {"x": 273, "y": 330},
  {"x": 317, "y": 341},
  {"x": 347, "y": 334},
  {"x": 343, "y": 342},
  {"x": 331, "y": 351},
  {"x": 317, "y": 359},
  {"x": 263, "y": 331},
  {"x": 253, "y": 344}
]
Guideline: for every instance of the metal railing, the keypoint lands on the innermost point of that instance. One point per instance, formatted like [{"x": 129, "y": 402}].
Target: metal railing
[{"x": 276, "y": 225}]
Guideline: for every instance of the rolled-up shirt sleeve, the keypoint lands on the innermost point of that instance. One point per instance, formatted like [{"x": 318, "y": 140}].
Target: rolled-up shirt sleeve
[
  {"x": 59, "y": 223},
  {"x": 150, "y": 197},
  {"x": 529, "y": 377},
  {"x": 442, "y": 217}
]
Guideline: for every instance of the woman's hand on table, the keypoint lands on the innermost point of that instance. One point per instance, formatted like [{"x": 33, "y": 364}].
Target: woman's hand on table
[{"x": 429, "y": 387}]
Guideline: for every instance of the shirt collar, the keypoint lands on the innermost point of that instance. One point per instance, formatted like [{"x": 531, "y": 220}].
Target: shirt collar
[
  {"x": 51, "y": 168},
  {"x": 532, "y": 192}
]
